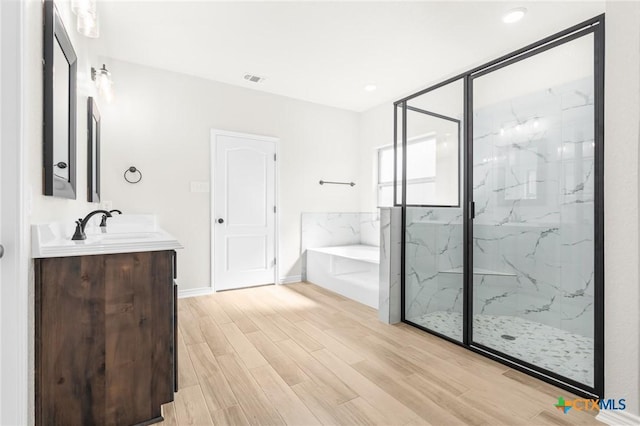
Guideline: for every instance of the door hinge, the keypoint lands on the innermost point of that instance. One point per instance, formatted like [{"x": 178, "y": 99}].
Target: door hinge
[
  {"x": 274, "y": 209},
  {"x": 472, "y": 210},
  {"x": 274, "y": 157},
  {"x": 274, "y": 261}
]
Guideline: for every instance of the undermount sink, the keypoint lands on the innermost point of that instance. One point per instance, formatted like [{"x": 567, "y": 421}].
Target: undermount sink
[{"x": 124, "y": 233}]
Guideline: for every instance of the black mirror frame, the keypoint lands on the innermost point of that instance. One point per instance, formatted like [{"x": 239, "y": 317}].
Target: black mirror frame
[
  {"x": 93, "y": 128},
  {"x": 54, "y": 31}
]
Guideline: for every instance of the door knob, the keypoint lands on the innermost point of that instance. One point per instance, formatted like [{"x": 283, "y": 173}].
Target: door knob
[
  {"x": 221, "y": 220},
  {"x": 1, "y": 251}
]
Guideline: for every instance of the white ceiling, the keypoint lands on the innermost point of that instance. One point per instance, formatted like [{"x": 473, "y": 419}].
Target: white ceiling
[{"x": 326, "y": 52}]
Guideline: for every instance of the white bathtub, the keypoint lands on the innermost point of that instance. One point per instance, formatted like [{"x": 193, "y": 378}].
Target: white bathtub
[{"x": 351, "y": 271}]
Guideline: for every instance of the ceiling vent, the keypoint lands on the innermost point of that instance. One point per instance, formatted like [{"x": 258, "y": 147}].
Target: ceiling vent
[{"x": 254, "y": 78}]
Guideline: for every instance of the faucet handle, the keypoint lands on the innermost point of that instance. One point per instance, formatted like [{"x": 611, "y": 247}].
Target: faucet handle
[{"x": 79, "y": 233}]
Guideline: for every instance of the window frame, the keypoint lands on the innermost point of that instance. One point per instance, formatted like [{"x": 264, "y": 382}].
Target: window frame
[{"x": 380, "y": 184}]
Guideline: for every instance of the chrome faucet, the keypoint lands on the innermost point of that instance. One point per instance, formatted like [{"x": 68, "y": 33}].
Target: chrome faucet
[
  {"x": 82, "y": 223},
  {"x": 103, "y": 222}
]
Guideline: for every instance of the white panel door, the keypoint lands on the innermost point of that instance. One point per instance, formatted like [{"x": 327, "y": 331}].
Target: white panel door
[{"x": 244, "y": 219}]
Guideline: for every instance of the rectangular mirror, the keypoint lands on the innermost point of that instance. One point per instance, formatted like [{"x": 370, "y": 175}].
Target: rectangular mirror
[
  {"x": 60, "y": 68},
  {"x": 93, "y": 149}
]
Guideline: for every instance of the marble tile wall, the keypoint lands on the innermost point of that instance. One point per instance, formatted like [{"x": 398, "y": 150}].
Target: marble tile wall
[
  {"x": 533, "y": 240},
  {"x": 533, "y": 177},
  {"x": 433, "y": 262}
]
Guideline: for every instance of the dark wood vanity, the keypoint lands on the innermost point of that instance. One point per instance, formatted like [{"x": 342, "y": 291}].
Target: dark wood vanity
[{"x": 105, "y": 349}]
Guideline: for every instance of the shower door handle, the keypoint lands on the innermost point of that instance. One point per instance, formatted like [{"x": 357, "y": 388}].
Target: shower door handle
[{"x": 472, "y": 210}]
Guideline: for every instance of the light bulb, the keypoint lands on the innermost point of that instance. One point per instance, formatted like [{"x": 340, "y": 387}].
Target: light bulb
[
  {"x": 108, "y": 95},
  {"x": 105, "y": 90},
  {"x": 103, "y": 81}
]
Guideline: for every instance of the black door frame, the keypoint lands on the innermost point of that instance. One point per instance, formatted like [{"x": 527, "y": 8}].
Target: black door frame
[{"x": 595, "y": 26}]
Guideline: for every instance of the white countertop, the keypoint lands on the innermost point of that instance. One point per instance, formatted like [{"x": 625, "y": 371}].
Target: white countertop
[{"x": 124, "y": 234}]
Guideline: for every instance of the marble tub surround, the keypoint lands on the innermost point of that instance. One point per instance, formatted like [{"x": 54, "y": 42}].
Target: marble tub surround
[
  {"x": 337, "y": 229},
  {"x": 390, "y": 266},
  {"x": 351, "y": 271},
  {"x": 370, "y": 229}
]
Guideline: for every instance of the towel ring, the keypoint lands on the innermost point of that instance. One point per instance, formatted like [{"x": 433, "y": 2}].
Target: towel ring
[{"x": 132, "y": 169}]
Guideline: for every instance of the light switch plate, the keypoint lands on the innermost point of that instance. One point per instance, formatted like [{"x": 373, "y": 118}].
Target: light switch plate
[{"x": 199, "y": 186}]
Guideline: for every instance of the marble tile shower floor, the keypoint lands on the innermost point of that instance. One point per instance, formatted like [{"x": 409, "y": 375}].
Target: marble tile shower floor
[{"x": 565, "y": 353}]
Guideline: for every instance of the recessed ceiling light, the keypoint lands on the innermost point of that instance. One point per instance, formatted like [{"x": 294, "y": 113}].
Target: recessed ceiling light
[
  {"x": 514, "y": 15},
  {"x": 370, "y": 87}
]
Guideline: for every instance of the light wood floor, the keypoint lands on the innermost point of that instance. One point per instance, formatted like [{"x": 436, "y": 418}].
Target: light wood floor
[{"x": 301, "y": 355}]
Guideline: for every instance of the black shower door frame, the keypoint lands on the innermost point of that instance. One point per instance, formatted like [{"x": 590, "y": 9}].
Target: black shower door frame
[{"x": 595, "y": 26}]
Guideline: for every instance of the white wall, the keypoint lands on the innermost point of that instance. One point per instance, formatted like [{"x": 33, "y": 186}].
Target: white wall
[
  {"x": 376, "y": 130},
  {"x": 160, "y": 122},
  {"x": 622, "y": 251}
]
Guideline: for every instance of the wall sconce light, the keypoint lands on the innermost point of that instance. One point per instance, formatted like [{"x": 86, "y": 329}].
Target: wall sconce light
[
  {"x": 102, "y": 78},
  {"x": 87, "y": 17}
]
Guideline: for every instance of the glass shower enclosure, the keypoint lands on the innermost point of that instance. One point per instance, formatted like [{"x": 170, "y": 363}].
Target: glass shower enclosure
[{"x": 499, "y": 175}]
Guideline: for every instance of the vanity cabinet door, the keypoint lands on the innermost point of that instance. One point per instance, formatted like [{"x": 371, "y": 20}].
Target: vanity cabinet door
[
  {"x": 69, "y": 341},
  {"x": 139, "y": 335}
]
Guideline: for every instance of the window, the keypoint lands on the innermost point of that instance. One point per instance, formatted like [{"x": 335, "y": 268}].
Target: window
[{"x": 421, "y": 172}]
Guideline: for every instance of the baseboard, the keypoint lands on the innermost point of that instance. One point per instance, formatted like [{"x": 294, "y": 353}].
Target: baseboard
[
  {"x": 290, "y": 279},
  {"x": 618, "y": 418},
  {"x": 193, "y": 292}
]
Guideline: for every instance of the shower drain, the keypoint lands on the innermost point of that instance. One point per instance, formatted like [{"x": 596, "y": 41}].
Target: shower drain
[{"x": 508, "y": 337}]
